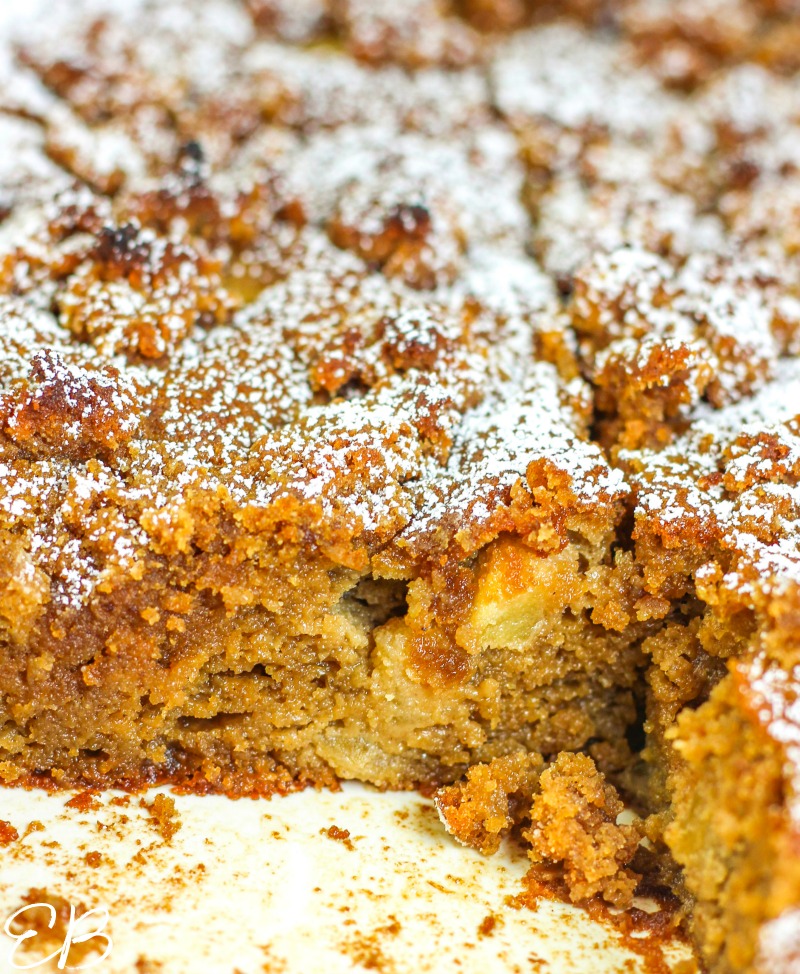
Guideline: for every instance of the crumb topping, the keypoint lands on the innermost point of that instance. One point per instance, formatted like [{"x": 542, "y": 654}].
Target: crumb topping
[
  {"x": 729, "y": 488},
  {"x": 321, "y": 327}
]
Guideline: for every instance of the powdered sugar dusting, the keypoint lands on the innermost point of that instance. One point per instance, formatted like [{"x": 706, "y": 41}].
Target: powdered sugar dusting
[
  {"x": 310, "y": 270},
  {"x": 735, "y": 475},
  {"x": 779, "y": 944},
  {"x": 772, "y": 694}
]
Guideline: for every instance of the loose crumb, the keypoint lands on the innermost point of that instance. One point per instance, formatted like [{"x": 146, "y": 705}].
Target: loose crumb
[
  {"x": 479, "y": 811},
  {"x": 163, "y": 815},
  {"x": 8, "y": 833},
  {"x": 488, "y": 925},
  {"x": 574, "y": 824},
  {"x": 339, "y": 835},
  {"x": 84, "y": 801}
]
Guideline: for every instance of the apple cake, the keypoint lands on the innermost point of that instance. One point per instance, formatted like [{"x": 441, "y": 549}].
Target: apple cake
[{"x": 406, "y": 392}]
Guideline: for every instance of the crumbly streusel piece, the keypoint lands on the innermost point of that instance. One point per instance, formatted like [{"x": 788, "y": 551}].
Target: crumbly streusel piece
[
  {"x": 564, "y": 90},
  {"x": 574, "y": 823},
  {"x": 415, "y": 34},
  {"x": 572, "y": 814},
  {"x": 479, "y": 811},
  {"x": 716, "y": 511},
  {"x": 297, "y": 21},
  {"x": 683, "y": 42},
  {"x": 658, "y": 340},
  {"x": 411, "y": 206},
  {"x": 578, "y": 217}
]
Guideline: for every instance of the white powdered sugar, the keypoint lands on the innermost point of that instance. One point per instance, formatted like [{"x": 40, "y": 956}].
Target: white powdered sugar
[{"x": 313, "y": 266}]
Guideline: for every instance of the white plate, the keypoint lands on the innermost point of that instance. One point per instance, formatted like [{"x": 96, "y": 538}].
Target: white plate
[{"x": 255, "y": 887}]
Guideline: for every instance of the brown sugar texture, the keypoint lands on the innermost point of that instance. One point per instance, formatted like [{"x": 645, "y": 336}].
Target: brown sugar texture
[{"x": 409, "y": 393}]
